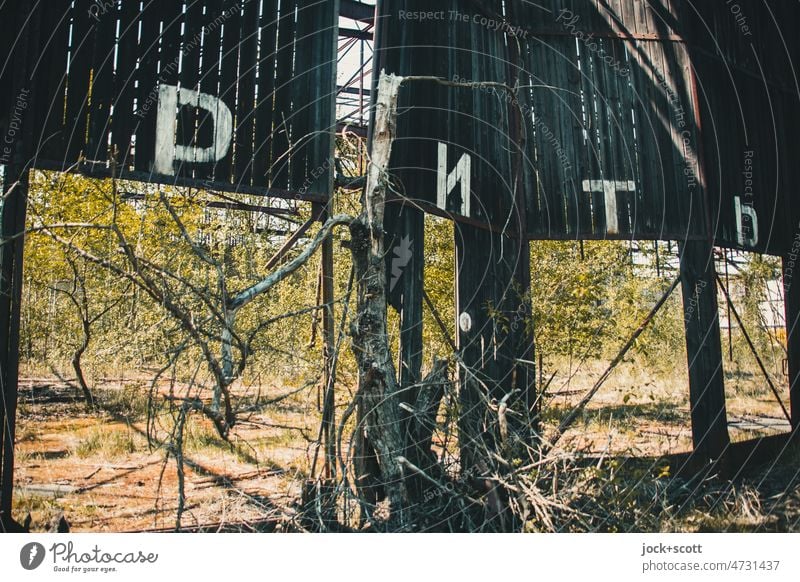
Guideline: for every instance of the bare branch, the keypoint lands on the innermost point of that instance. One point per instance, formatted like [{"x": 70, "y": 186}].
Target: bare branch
[{"x": 244, "y": 297}]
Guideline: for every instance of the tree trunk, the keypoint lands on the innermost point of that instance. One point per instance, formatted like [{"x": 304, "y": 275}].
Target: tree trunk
[
  {"x": 76, "y": 364},
  {"x": 227, "y": 360},
  {"x": 377, "y": 380}
]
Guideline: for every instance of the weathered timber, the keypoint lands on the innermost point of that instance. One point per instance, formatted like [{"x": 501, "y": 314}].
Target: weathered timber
[
  {"x": 377, "y": 380},
  {"x": 703, "y": 349},
  {"x": 792, "y": 310},
  {"x": 12, "y": 225},
  {"x": 227, "y": 93},
  {"x": 405, "y": 261}
]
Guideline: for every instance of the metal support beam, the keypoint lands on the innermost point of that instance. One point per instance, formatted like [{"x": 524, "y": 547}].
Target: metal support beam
[
  {"x": 353, "y": 33},
  {"x": 288, "y": 245},
  {"x": 753, "y": 349},
  {"x": 703, "y": 349},
  {"x": 792, "y": 310},
  {"x": 568, "y": 420},
  {"x": 357, "y": 11},
  {"x": 353, "y": 91}
]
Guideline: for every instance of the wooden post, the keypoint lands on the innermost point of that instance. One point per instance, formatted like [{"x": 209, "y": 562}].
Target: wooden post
[
  {"x": 324, "y": 155},
  {"x": 791, "y": 290},
  {"x": 329, "y": 346},
  {"x": 492, "y": 339},
  {"x": 13, "y": 225},
  {"x": 13, "y": 211},
  {"x": 405, "y": 262},
  {"x": 524, "y": 368},
  {"x": 473, "y": 339},
  {"x": 703, "y": 349},
  {"x": 378, "y": 387}
]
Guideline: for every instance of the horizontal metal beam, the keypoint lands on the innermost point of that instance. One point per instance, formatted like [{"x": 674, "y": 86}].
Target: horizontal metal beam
[
  {"x": 357, "y": 11},
  {"x": 353, "y": 91},
  {"x": 100, "y": 170},
  {"x": 232, "y": 205},
  {"x": 353, "y": 33}
]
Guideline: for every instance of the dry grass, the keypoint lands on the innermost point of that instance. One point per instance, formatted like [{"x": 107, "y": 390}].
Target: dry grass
[{"x": 607, "y": 473}]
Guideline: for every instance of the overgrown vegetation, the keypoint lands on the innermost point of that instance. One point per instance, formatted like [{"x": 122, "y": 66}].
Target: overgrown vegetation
[{"x": 134, "y": 283}]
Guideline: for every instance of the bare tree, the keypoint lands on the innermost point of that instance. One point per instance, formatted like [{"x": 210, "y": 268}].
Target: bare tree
[{"x": 76, "y": 293}]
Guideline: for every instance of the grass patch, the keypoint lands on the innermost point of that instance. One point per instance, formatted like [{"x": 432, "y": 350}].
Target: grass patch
[
  {"x": 128, "y": 402},
  {"x": 200, "y": 437},
  {"x": 106, "y": 441}
]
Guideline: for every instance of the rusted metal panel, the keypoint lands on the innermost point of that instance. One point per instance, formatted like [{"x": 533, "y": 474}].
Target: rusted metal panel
[{"x": 189, "y": 90}]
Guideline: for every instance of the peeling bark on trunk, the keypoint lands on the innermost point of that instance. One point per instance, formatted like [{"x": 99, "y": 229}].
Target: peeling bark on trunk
[
  {"x": 227, "y": 361},
  {"x": 378, "y": 388}
]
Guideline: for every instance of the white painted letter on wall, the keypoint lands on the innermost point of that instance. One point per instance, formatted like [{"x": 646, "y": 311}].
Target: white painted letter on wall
[
  {"x": 167, "y": 152},
  {"x": 609, "y": 188},
  {"x": 745, "y": 235},
  {"x": 446, "y": 183}
]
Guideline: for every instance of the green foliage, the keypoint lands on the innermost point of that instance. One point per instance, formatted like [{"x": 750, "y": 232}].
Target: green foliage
[
  {"x": 587, "y": 301},
  {"x": 177, "y": 238}
]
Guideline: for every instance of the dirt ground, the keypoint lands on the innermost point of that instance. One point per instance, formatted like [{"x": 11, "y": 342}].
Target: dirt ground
[{"x": 97, "y": 468}]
